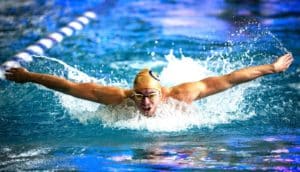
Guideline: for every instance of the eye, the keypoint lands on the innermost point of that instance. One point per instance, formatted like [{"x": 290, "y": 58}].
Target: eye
[
  {"x": 139, "y": 96},
  {"x": 152, "y": 96}
]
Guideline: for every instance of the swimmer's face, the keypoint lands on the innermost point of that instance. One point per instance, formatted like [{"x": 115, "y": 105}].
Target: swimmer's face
[{"x": 147, "y": 100}]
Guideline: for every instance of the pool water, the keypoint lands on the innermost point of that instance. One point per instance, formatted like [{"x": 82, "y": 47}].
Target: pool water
[{"x": 252, "y": 127}]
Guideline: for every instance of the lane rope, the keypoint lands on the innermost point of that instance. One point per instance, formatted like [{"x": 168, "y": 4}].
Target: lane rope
[{"x": 47, "y": 42}]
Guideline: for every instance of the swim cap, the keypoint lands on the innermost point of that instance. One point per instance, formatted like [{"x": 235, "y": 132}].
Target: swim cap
[{"x": 146, "y": 79}]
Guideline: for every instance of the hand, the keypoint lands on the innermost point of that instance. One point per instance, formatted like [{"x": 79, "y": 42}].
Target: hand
[
  {"x": 19, "y": 75},
  {"x": 283, "y": 62}
]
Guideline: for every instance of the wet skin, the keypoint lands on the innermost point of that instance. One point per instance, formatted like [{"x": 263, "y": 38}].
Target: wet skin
[{"x": 147, "y": 100}]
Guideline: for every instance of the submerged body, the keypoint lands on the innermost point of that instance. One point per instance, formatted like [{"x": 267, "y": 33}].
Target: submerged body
[{"x": 147, "y": 93}]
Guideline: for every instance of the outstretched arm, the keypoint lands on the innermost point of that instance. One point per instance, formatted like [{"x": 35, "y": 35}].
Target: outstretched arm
[
  {"x": 195, "y": 90},
  {"x": 89, "y": 91}
]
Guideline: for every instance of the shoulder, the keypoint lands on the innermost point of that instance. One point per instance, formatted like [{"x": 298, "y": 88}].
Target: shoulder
[
  {"x": 186, "y": 92},
  {"x": 165, "y": 93},
  {"x": 128, "y": 93}
]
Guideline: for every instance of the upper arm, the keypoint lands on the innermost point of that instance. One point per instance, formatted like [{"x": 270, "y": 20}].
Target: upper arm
[
  {"x": 191, "y": 91},
  {"x": 212, "y": 85},
  {"x": 98, "y": 93}
]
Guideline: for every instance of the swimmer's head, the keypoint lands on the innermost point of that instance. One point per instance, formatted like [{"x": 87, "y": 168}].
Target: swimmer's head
[
  {"x": 146, "y": 92},
  {"x": 146, "y": 79}
]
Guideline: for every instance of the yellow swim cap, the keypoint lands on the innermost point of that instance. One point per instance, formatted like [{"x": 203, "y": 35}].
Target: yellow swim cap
[{"x": 146, "y": 79}]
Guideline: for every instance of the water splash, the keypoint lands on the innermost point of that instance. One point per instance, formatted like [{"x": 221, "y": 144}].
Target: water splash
[
  {"x": 185, "y": 69},
  {"x": 79, "y": 109},
  {"x": 177, "y": 116},
  {"x": 171, "y": 116},
  {"x": 72, "y": 73},
  {"x": 280, "y": 45},
  {"x": 218, "y": 109},
  {"x": 258, "y": 42}
]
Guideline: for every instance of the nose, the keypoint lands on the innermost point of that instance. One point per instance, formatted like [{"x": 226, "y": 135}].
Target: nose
[{"x": 146, "y": 100}]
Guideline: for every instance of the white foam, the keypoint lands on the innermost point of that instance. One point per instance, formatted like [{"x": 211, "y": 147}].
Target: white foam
[
  {"x": 121, "y": 158},
  {"x": 170, "y": 116},
  {"x": 30, "y": 153},
  {"x": 280, "y": 151},
  {"x": 295, "y": 86},
  {"x": 137, "y": 64},
  {"x": 185, "y": 69},
  {"x": 73, "y": 73},
  {"x": 79, "y": 108},
  {"x": 2, "y": 73}
]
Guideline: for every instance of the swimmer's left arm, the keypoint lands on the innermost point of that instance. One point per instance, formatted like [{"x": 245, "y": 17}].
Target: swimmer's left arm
[
  {"x": 217, "y": 84},
  {"x": 189, "y": 92}
]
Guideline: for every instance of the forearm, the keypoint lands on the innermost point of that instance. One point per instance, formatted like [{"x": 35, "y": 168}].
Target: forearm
[
  {"x": 250, "y": 73},
  {"x": 89, "y": 91},
  {"x": 50, "y": 81}
]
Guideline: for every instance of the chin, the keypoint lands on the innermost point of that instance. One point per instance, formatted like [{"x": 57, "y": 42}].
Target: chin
[{"x": 148, "y": 113}]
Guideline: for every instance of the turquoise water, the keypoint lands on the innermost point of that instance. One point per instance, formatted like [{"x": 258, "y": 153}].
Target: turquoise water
[{"x": 254, "y": 126}]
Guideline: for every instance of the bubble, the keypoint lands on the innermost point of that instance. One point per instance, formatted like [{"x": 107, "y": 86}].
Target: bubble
[{"x": 152, "y": 54}]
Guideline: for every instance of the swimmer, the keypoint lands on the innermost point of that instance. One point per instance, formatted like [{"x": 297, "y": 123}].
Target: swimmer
[{"x": 147, "y": 93}]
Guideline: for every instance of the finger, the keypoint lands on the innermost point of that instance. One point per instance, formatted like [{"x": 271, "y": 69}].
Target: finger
[
  {"x": 8, "y": 70},
  {"x": 9, "y": 77},
  {"x": 290, "y": 61},
  {"x": 288, "y": 64},
  {"x": 8, "y": 74},
  {"x": 14, "y": 69},
  {"x": 291, "y": 57},
  {"x": 288, "y": 56},
  {"x": 11, "y": 69}
]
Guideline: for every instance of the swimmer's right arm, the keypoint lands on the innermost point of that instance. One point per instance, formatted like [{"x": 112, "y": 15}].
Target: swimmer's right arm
[{"x": 89, "y": 91}]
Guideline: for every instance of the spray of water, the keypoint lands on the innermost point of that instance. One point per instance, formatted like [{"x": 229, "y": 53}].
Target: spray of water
[
  {"x": 173, "y": 115},
  {"x": 170, "y": 116},
  {"x": 80, "y": 109}
]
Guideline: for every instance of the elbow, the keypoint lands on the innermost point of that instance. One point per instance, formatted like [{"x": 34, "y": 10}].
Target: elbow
[
  {"x": 114, "y": 99},
  {"x": 229, "y": 80},
  {"x": 68, "y": 87}
]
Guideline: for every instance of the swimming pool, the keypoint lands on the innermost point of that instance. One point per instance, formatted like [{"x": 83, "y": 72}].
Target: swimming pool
[{"x": 254, "y": 126}]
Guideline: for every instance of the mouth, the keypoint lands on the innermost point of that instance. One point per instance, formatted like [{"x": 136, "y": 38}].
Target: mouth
[{"x": 146, "y": 109}]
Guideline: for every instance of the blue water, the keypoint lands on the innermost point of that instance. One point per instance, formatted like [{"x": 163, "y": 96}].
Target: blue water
[{"x": 254, "y": 126}]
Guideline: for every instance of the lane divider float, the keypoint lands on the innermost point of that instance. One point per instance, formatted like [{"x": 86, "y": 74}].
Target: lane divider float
[{"x": 46, "y": 43}]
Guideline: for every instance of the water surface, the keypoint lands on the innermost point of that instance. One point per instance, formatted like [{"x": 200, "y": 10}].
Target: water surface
[{"x": 254, "y": 126}]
